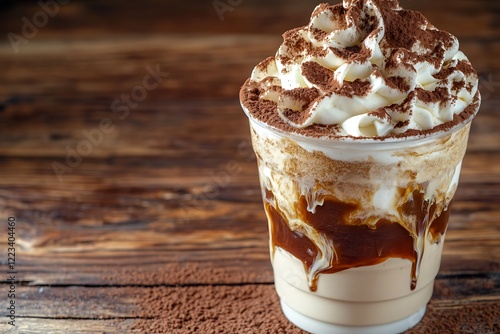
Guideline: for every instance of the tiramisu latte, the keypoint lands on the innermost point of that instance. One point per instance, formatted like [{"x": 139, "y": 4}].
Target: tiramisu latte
[{"x": 360, "y": 123}]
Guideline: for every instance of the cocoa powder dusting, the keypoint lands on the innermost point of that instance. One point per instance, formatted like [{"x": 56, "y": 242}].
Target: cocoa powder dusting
[
  {"x": 466, "y": 67},
  {"x": 297, "y": 117},
  {"x": 318, "y": 75},
  {"x": 457, "y": 86},
  {"x": 357, "y": 87},
  {"x": 302, "y": 95},
  {"x": 461, "y": 118},
  {"x": 352, "y": 53},
  {"x": 405, "y": 28},
  {"x": 380, "y": 113},
  {"x": 265, "y": 63},
  {"x": 320, "y": 9},
  {"x": 401, "y": 57},
  {"x": 477, "y": 317},
  {"x": 318, "y": 34},
  {"x": 398, "y": 83},
  {"x": 354, "y": 10},
  {"x": 265, "y": 111},
  {"x": 338, "y": 14},
  {"x": 212, "y": 309},
  {"x": 438, "y": 95},
  {"x": 192, "y": 298},
  {"x": 402, "y": 30},
  {"x": 444, "y": 73},
  {"x": 295, "y": 45}
]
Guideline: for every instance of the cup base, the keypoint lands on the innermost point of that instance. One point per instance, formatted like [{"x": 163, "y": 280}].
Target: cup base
[{"x": 319, "y": 327}]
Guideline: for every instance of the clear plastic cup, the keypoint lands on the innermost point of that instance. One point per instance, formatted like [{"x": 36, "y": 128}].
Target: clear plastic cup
[{"x": 356, "y": 226}]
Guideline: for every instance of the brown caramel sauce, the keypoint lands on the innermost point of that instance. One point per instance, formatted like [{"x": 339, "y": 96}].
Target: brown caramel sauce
[{"x": 355, "y": 243}]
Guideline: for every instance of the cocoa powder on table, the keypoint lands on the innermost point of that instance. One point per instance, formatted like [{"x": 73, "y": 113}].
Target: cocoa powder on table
[
  {"x": 206, "y": 300},
  {"x": 255, "y": 309},
  {"x": 213, "y": 309}
]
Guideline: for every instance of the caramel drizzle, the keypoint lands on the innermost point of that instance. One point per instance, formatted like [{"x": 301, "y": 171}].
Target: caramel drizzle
[{"x": 356, "y": 244}]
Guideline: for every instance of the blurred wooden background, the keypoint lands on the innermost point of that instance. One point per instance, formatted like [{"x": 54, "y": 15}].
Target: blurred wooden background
[{"x": 137, "y": 207}]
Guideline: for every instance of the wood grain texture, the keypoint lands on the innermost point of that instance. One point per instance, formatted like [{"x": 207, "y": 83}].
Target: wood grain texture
[{"x": 167, "y": 203}]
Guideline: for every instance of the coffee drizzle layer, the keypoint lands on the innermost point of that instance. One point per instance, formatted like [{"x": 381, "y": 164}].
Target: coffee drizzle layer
[{"x": 356, "y": 244}]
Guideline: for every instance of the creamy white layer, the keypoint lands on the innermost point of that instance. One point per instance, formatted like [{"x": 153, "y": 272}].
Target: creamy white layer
[{"x": 369, "y": 295}]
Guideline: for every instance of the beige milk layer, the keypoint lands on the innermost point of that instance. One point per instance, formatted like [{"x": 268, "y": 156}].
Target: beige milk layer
[{"x": 366, "y": 217}]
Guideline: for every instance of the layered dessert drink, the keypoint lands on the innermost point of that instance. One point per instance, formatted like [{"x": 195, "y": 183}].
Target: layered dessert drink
[{"x": 360, "y": 123}]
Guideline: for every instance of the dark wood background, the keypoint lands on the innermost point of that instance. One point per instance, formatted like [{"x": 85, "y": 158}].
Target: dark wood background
[{"x": 160, "y": 228}]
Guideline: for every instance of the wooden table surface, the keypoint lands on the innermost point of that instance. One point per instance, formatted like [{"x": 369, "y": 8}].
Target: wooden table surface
[{"x": 126, "y": 166}]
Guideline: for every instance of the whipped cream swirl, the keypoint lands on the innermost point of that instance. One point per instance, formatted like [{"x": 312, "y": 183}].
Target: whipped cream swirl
[{"x": 366, "y": 68}]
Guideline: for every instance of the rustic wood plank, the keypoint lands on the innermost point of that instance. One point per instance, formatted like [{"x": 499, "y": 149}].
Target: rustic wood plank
[
  {"x": 75, "y": 302},
  {"x": 64, "y": 326},
  {"x": 465, "y": 18}
]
